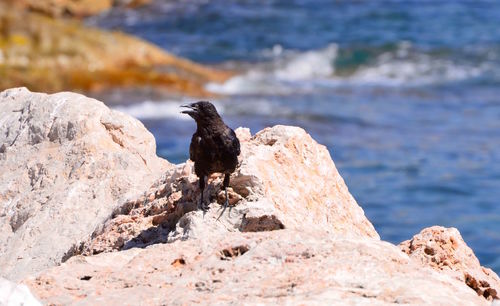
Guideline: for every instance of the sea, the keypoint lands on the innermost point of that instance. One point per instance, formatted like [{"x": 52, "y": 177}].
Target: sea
[{"x": 404, "y": 94}]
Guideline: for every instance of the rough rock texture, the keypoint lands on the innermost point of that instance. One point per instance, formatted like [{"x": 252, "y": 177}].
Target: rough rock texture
[
  {"x": 443, "y": 249},
  {"x": 51, "y": 55},
  {"x": 267, "y": 192},
  {"x": 12, "y": 294},
  {"x": 72, "y": 181},
  {"x": 66, "y": 162},
  {"x": 286, "y": 167},
  {"x": 273, "y": 268}
]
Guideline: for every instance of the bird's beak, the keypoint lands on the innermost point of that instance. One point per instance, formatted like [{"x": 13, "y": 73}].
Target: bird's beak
[{"x": 192, "y": 110}]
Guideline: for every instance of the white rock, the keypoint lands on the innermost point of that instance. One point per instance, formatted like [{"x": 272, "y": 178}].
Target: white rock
[
  {"x": 66, "y": 162},
  {"x": 12, "y": 294}
]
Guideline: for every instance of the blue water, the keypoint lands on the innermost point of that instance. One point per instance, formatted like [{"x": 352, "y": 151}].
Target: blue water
[{"x": 406, "y": 96}]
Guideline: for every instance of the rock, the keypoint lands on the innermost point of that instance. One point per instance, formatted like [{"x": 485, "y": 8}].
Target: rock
[
  {"x": 51, "y": 55},
  {"x": 66, "y": 163},
  {"x": 276, "y": 267},
  {"x": 443, "y": 249},
  {"x": 12, "y": 294},
  {"x": 131, "y": 3},
  {"x": 297, "y": 175},
  {"x": 67, "y": 8},
  {"x": 269, "y": 191},
  {"x": 74, "y": 9},
  {"x": 79, "y": 179}
]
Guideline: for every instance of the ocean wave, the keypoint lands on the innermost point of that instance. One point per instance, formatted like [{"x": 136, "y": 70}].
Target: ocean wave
[
  {"x": 407, "y": 66},
  {"x": 280, "y": 76},
  {"x": 159, "y": 109},
  {"x": 402, "y": 65}
]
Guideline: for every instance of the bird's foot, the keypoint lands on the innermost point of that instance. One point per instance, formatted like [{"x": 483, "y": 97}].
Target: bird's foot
[
  {"x": 205, "y": 208},
  {"x": 226, "y": 204},
  {"x": 202, "y": 206}
]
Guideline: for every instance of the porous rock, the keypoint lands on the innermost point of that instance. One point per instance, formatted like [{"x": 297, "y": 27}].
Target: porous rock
[
  {"x": 269, "y": 191},
  {"x": 293, "y": 267},
  {"x": 444, "y": 249},
  {"x": 66, "y": 162}
]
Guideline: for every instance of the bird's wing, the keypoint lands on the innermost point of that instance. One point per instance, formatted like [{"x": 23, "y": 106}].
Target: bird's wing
[
  {"x": 194, "y": 147},
  {"x": 235, "y": 142}
]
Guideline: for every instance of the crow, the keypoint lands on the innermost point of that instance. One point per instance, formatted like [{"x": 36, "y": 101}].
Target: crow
[{"x": 214, "y": 146}]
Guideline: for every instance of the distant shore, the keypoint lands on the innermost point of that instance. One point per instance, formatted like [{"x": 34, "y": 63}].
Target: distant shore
[{"x": 49, "y": 49}]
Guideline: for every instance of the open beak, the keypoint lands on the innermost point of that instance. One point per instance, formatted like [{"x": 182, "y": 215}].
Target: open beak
[{"x": 192, "y": 110}]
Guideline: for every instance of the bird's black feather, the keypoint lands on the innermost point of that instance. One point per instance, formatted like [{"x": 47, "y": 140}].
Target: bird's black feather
[{"x": 214, "y": 146}]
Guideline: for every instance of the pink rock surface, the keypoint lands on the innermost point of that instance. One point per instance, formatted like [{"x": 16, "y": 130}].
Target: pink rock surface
[
  {"x": 444, "y": 249},
  {"x": 297, "y": 175},
  {"x": 278, "y": 267}
]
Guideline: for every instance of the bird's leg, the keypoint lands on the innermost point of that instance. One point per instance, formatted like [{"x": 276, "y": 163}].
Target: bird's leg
[
  {"x": 202, "y": 188},
  {"x": 225, "y": 184}
]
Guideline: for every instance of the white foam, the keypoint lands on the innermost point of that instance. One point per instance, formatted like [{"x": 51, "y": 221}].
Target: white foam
[
  {"x": 417, "y": 70},
  {"x": 159, "y": 109},
  {"x": 291, "y": 72},
  {"x": 282, "y": 76},
  {"x": 407, "y": 66},
  {"x": 253, "y": 82},
  {"x": 309, "y": 65}
]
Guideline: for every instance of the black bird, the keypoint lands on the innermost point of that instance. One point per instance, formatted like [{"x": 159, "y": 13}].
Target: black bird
[{"x": 214, "y": 146}]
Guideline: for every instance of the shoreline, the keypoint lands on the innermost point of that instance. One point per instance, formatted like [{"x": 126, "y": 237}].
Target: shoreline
[{"x": 56, "y": 54}]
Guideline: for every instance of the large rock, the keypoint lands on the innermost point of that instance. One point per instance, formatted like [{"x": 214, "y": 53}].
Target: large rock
[
  {"x": 66, "y": 162},
  {"x": 60, "y": 8},
  {"x": 283, "y": 267},
  {"x": 72, "y": 8},
  {"x": 79, "y": 179},
  {"x": 443, "y": 249},
  {"x": 51, "y": 55},
  {"x": 287, "y": 168},
  {"x": 285, "y": 180}
]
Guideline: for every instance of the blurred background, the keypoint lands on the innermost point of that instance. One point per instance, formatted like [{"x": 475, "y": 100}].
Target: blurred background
[{"x": 405, "y": 94}]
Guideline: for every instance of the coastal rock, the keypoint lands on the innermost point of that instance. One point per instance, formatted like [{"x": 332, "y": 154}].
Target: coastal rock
[
  {"x": 131, "y": 3},
  {"x": 272, "y": 268},
  {"x": 79, "y": 179},
  {"x": 12, "y": 294},
  {"x": 72, "y": 8},
  {"x": 51, "y": 55},
  {"x": 285, "y": 166},
  {"x": 67, "y": 8},
  {"x": 66, "y": 163},
  {"x": 444, "y": 249},
  {"x": 269, "y": 191}
]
